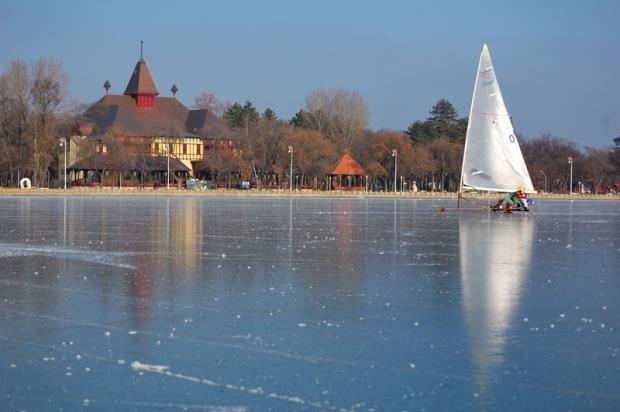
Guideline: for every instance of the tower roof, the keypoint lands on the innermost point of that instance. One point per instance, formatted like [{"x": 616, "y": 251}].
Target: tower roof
[{"x": 141, "y": 82}]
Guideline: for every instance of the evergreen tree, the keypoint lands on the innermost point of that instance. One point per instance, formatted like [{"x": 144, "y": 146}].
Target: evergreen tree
[
  {"x": 443, "y": 117},
  {"x": 233, "y": 116},
  {"x": 250, "y": 111},
  {"x": 443, "y": 121},
  {"x": 421, "y": 131},
  {"x": 269, "y": 114},
  {"x": 241, "y": 117},
  {"x": 250, "y": 117},
  {"x": 443, "y": 111},
  {"x": 299, "y": 119}
]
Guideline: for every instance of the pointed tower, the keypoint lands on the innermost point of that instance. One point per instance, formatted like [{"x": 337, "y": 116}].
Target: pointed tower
[{"x": 141, "y": 86}]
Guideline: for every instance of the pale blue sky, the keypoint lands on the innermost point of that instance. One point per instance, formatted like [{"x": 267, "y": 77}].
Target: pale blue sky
[{"x": 558, "y": 62}]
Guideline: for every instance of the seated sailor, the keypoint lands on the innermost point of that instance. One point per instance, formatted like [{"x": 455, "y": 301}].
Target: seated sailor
[{"x": 513, "y": 200}]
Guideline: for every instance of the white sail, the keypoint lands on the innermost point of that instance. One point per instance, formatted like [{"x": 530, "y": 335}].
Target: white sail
[{"x": 492, "y": 159}]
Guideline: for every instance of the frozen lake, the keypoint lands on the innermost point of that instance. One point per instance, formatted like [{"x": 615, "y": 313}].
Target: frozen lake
[{"x": 233, "y": 304}]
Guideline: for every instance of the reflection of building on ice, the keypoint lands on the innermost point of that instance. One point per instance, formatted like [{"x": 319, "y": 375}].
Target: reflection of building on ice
[{"x": 495, "y": 258}]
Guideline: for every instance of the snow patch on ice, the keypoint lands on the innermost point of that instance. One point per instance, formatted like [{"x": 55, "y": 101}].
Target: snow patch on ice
[
  {"x": 258, "y": 391},
  {"x": 85, "y": 255},
  {"x": 137, "y": 366}
]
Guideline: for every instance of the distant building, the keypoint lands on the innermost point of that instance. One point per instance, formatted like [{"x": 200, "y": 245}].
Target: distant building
[
  {"x": 137, "y": 137},
  {"x": 617, "y": 142}
]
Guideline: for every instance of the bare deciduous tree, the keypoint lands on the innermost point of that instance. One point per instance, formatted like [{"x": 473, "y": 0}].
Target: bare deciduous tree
[
  {"x": 29, "y": 102},
  {"x": 315, "y": 114},
  {"x": 47, "y": 92},
  {"x": 377, "y": 155},
  {"x": 339, "y": 113},
  {"x": 14, "y": 112},
  {"x": 261, "y": 151},
  {"x": 209, "y": 102},
  {"x": 313, "y": 155}
]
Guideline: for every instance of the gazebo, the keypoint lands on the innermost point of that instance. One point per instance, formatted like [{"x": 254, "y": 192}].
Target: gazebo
[{"x": 347, "y": 174}]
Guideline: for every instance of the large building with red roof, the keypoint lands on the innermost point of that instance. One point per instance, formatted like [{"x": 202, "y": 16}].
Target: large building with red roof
[{"x": 139, "y": 136}]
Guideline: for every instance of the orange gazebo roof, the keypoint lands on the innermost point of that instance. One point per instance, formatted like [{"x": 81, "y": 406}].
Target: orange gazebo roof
[{"x": 347, "y": 166}]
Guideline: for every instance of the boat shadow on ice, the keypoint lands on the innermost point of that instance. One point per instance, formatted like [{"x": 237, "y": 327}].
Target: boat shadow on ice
[{"x": 115, "y": 259}]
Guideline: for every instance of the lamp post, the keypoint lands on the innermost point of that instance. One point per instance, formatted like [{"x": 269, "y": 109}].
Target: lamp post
[
  {"x": 63, "y": 143},
  {"x": 570, "y": 184},
  {"x": 401, "y": 184},
  {"x": 395, "y": 155},
  {"x": 545, "y": 176},
  {"x": 290, "y": 150}
]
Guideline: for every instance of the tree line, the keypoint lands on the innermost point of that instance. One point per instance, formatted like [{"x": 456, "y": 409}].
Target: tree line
[
  {"x": 35, "y": 112},
  {"x": 31, "y": 98},
  {"x": 429, "y": 152}
]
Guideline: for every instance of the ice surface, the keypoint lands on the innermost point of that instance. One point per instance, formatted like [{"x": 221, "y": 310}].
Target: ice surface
[{"x": 232, "y": 304}]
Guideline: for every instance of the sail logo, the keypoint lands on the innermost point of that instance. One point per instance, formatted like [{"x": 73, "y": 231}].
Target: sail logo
[
  {"x": 512, "y": 138},
  {"x": 486, "y": 79}
]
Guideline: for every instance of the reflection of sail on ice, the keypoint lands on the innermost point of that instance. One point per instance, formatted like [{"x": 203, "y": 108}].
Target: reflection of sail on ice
[
  {"x": 492, "y": 158},
  {"x": 494, "y": 258}
]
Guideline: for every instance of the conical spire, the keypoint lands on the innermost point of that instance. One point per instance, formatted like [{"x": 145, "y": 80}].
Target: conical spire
[{"x": 141, "y": 82}]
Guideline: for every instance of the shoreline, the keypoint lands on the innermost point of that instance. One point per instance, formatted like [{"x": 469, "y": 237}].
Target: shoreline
[{"x": 253, "y": 193}]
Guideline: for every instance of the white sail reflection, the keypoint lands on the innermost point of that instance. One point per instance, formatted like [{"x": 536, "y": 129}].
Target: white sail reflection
[{"x": 495, "y": 258}]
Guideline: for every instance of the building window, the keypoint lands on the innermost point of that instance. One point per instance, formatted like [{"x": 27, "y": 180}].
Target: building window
[
  {"x": 184, "y": 148},
  {"x": 156, "y": 148}
]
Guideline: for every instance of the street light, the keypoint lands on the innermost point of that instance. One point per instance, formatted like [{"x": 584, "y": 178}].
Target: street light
[
  {"x": 290, "y": 150},
  {"x": 395, "y": 155},
  {"x": 63, "y": 143},
  {"x": 570, "y": 161},
  {"x": 543, "y": 173}
]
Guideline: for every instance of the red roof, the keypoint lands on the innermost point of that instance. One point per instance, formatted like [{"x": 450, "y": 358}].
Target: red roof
[
  {"x": 118, "y": 114},
  {"x": 347, "y": 166},
  {"x": 141, "y": 82},
  {"x": 123, "y": 115}
]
